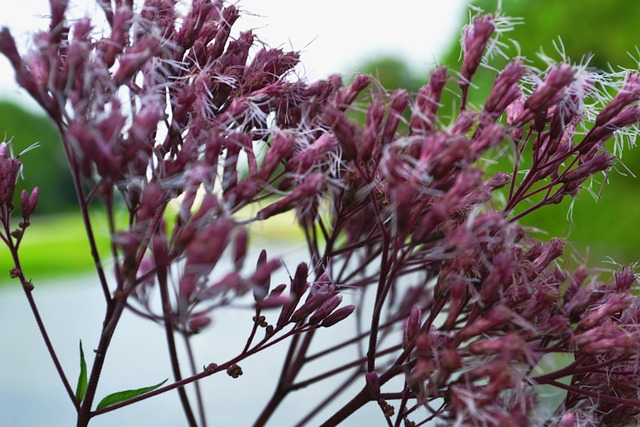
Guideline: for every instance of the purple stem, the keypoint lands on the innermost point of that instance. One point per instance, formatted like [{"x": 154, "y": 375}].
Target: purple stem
[
  {"x": 171, "y": 343},
  {"x": 84, "y": 209},
  {"x": 27, "y": 287},
  {"x": 115, "y": 309}
]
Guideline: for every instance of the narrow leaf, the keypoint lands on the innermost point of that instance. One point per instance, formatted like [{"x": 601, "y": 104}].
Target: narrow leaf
[
  {"x": 81, "y": 389},
  {"x": 121, "y": 396}
]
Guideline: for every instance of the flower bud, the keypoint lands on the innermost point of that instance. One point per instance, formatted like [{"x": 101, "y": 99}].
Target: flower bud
[
  {"x": 375, "y": 115},
  {"x": 33, "y": 200},
  {"x": 411, "y": 326},
  {"x": 9, "y": 169},
  {"x": 310, "y": 305},
  {"x": 423, "y": 116},
  {"x": 24, "y": 204},
  {"x": 347, "y": 132},
  {"x": 134, "y": 58},
  {"x": 273, "y": 301},
  {"x": 187, "y": 286},
  {"x": 624, "y": 279},
  {"x": 309, "y": 188},
  {"x": 629, "y": 93},
  {"x": 281, "y": 148},
  {"x": 28, "y": 203},
  {"x": 397, "y": 105},
  {"x": 261, "y": 278},
  {"x": 120, "y": 24},
  {"x": 199, "y": 322},
  {"x": 498, "y": 316},
  {"x": 373, "y": 384},
  {"x": 240, "y": 247},
  {"x": 508, "y": 345},
  {"x": 327, "y": 307},
  {"x": 338, "y": 316},
  {"x": 498, "y": 279},
  {"x": 463, "y": 123},
  {"x": 614, "y": 304},
  {"x": 299, "y": 284},
  {"x": 358, "y": 85},
  {"x": 313, "y": 154},
  {"x": 505, "y": 89},
  {"x": 275, "y": 298},
  {"x": 550, "y": 91},
  {"x": 474, "y": 41},
  {"x": 488, "y": 137}
]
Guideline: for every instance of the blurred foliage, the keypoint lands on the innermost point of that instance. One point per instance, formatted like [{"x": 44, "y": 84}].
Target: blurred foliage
[
  {"x": 607, "y": 30},
  {"x": 393, "y": 73},
  {"x": 45, "y": 165}
]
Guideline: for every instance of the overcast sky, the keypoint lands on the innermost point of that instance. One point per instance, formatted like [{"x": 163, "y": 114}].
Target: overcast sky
[{"x": 333, "y": 35}]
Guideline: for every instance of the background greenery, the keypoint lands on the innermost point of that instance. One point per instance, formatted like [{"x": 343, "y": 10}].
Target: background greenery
[{"x": 56, "y": 244}]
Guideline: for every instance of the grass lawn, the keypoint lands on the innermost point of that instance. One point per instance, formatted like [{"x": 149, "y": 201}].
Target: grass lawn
[
  {"x": 57, "y": 246},
  {"x": 54, "y": 246}
]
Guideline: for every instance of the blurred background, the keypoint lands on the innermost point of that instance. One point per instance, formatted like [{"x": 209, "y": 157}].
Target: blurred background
[{"x": 398, "y": 44}]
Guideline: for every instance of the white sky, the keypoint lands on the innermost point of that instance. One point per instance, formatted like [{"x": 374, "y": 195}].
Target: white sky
[{"x": 332, "y": 35}]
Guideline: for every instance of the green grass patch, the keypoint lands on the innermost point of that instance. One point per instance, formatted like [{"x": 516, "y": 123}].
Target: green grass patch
[{"x": 55, "y": 246}]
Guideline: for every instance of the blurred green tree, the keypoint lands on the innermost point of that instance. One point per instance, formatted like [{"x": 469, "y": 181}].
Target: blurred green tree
[{"x": 392, "y": 73}]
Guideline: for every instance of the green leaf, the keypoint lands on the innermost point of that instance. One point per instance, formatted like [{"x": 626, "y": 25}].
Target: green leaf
[
  {"x": 81, "y": 389},
  {"x": 121, "y": 396}
]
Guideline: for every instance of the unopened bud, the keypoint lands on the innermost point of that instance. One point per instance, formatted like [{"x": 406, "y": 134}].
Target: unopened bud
[
  {"x": 9, "y": 169},
  {"x": 299, "y": 283},
  {"x": 373, "y": 384},
  {"x": 261, "y": 278},
  {"x": 474, "y": 41},
  {"x": 198, "y": 322},
  {"x": 24, "y": 204},
  {"x": 412, "y": 326},
  {"x": 240, "y": 247},
  {"x": 281, "y": 148},
  {"x": 550, "y": 91},
  {"x": 498, "y": 316},
  {"x": 624, "y": 280},
  {"x": 338, "y": 316},
  {"x": 309, "y": 188},
  {"x": 629, "y": 93},
  {"x": 325, "y": 309},
  {"x": 234, "y": 371},
  {"x": 358, "y": 85},
  {"x": 505, "y": 89},
  {"x": 33, "y": 199},
  {"x": 615, "y": 304},
  {"x": 311, "y": 304},
  {"x": 273, "y": 301},
  {"x": 423, "y": 115},
  {"x": 397, "y": 105},
  {"x": 375, "y": 115}
]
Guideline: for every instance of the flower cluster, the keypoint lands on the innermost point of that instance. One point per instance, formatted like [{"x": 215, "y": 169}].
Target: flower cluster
[
  {"x": 10, "y": 168},
  {"x": 168, "y": 117}
]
